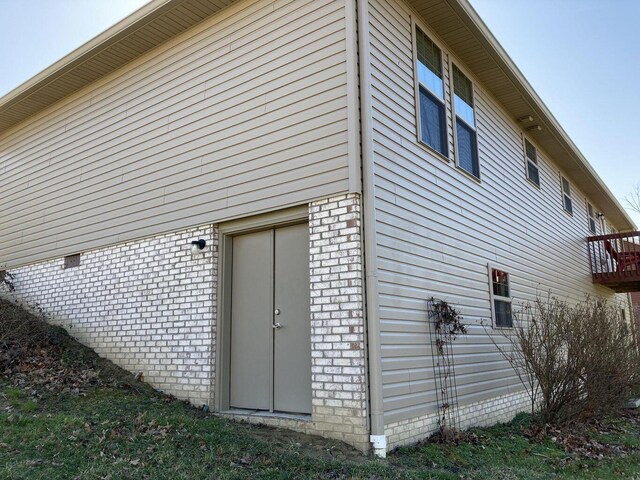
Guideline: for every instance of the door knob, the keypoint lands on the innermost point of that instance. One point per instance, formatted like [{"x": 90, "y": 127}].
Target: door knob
[
  {"x": 277, "y": 312},
  {"x": 276, "y": 326}
]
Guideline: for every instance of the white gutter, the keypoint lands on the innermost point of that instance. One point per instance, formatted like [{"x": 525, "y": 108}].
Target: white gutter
[{"x": 376, "y": 410}]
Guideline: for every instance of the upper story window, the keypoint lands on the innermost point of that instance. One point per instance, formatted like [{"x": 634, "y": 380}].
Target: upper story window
[
  {"x": 533, "y": 173},
  {"x": 567, "y": 202},
  {"x": 501, "y": 298},
  {"x": 592, "y": 218},
  {"x": 467, "y": 148},
  {"x": 432, "y": 111}
]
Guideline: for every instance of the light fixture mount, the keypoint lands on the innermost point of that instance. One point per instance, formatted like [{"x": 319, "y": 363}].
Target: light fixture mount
[
  {"x": 198, "y": 247},
  {"x": 199, "y": 244}
]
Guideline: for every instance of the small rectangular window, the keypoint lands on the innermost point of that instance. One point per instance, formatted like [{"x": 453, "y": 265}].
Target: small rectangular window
[
  {"x": 432, "y": 111},
  {"x": 533, "y": 173},
  {"x": 466, "y": 139},
  {"x": 592, "y": 218},
  {"x": 567, "y": 202},
  {"x": 72, "y": 261},
  {"x": 501, "y": 298}
]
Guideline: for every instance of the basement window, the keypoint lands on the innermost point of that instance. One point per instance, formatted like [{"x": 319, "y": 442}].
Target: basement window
[
  {"x": 500, "y": 298},
  {"x": 72, "y": 261},
  {"x": 533, "y": 173},
  {"x": 432, "y": 119},
  {"x": 567, "y": 202}
]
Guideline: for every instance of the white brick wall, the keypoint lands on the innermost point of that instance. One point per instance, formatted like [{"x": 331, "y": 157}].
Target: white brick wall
[
  {"x": 337, "y": 320},
  {"x": 479, "y": 414},
  {"x": 148, "y": 306}
]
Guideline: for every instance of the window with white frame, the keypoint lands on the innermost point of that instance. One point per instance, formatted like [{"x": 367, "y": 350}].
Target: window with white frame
[
  {"x": 567, "y": 202},
  {"x": 501, "y": 298},
  {"x": 432, "y": 110},
  {"x": 592, "y": 218},
  {"x": 533, "y": 173},
  {"x": 466, "y": 139}
]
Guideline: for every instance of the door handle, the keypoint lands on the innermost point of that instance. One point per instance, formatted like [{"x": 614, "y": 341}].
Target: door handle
[{"x": 276, "y": 326}]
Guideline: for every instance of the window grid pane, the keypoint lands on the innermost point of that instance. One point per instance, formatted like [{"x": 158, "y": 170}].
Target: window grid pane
[
  {"x": 428, "y": 53},
  {"x": 500, "y": 282},
  {"x": 592, "y": 218},
  {"x": 504, "y": 316},
  {"x": 533, "y": 173},
  {"x": 467, "y": 150},
  {"x": 462, "y": 86},
  {"x": 568, "y": 204},
  {"x": 433, "y": 122},
  {"x": 531, "y": 151}
]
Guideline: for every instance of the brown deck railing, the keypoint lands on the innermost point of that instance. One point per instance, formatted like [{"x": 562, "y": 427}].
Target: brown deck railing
[{"x": 615, "y": 260}]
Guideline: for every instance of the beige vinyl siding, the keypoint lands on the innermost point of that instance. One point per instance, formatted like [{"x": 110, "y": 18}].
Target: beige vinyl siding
[
  {"x": 250, "y": 111},
  {"x": 437, "y": 229}
]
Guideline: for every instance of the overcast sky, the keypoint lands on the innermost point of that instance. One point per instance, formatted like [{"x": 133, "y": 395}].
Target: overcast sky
[{"x": 581, "y": 56}]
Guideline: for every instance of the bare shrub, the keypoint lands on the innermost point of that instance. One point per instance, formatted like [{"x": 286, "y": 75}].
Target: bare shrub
[
  {"x": 575, "y": 362},
  {"x": 6, "y": 280}
]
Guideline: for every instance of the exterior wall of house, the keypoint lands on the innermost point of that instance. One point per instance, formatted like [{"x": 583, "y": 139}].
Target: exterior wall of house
[
  {"x": 437, "y": 230},
  {"x": 151, "y": 307},
  {"x": 148, "y": 306},
  {"x": 249, "y": 111},
  {"x": 635, "y": 307}
]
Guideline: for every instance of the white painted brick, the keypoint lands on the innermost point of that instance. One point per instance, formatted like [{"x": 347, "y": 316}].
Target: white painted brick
[{"x": 137, "y": 302}]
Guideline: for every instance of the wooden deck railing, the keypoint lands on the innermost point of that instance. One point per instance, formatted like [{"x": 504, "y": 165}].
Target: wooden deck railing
[{"x": 615, "y": 260}]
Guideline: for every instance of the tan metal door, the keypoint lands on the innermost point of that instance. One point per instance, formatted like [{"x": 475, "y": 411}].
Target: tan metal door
[
  {"x": 251, "y": 332},
  {"x": 292, "y": 338},
  {"x": 270, "y": 322}
]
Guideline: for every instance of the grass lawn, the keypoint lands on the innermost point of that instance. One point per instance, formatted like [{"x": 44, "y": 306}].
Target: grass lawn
[
  {"x": 65, "y": 413},
  {"x": 115, "y": 433}
]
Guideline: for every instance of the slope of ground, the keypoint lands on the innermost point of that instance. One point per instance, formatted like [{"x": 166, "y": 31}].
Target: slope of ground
[{"x": 66, "y": 413}]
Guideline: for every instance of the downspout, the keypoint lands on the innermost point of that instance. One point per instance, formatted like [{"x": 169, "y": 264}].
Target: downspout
[{"x": 376, "y": 410}]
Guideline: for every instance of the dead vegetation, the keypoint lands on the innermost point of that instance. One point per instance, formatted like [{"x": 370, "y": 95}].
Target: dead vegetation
[
  {"x": 43, "y": 358},
  {"x": 576, "y": 362}
]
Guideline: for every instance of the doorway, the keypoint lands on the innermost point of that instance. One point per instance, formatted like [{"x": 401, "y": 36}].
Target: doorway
[{"x": 268, "y": 317}]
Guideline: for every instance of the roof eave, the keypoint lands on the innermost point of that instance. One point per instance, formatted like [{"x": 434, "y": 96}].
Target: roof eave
[{"x": 87, "y": 50}]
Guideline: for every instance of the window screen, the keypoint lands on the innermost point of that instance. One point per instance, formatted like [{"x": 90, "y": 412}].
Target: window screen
[
  {"x": 465, "y": 123},
  {"x": 433, "y": 122},
  {"x": 533, "y": 172},
  {"x": 592, "y": 218},
  {"x": 501, "y": 298},
  {"x": 567, "y": 202}
]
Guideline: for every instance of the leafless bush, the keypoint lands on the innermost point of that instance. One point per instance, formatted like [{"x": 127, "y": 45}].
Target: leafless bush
[
  {"x": 21, "y": 332},
  {"x": 6, "y": 280},
  {"x": 575, "y": 362}
]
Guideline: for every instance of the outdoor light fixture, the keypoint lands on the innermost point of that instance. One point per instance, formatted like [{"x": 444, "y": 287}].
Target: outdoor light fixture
[
  {"x": 600, "y": 214},
  {"x": 537, "y": 128},
  {"x": 197, "y": 246},
  {"x": 526, "y": 118}
]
